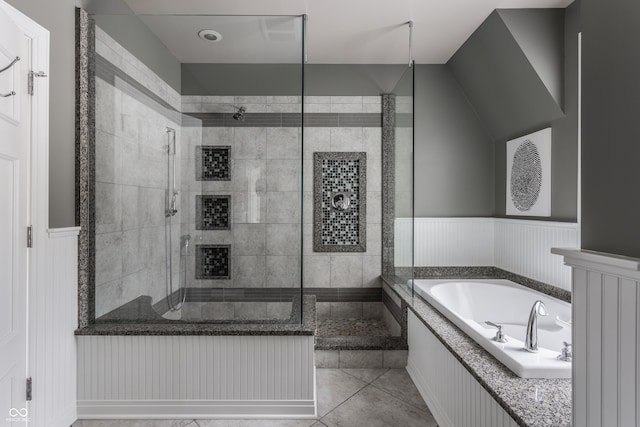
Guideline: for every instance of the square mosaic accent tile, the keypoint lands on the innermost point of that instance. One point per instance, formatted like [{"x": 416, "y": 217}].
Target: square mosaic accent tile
[
  {"x": 213, "y": 212},
  {"x": 213, "y": 163},
  {"x": 339, "y": 202},
  {"x": 340, "y": 178},
  {"x": 213, "y": 262}
]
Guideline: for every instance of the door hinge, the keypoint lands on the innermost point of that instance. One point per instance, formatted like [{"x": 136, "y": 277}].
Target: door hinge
[
  {"x": 29, "y": 389},
  {"x": 33, "y": 74},
  {"x": 30, "y": 236}
]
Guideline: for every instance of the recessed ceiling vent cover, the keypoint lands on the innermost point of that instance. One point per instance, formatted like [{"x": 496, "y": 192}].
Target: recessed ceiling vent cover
[
  {"x": 281, "y": 29},
  {"x": 210, "y": 35}
]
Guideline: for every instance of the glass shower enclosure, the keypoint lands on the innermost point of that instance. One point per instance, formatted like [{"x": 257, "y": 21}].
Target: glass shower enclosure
[
  {"x": 198, "y": 178},
  {"x": 398, "y": 194}
]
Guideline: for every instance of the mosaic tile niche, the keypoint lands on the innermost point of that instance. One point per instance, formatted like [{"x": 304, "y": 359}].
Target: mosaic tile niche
[
  {"x": 339, "y": 181},
  {"x": 212, "y": 262},
  {"x": 213, "y": 212},
  {"x": 212, "y": 163}
]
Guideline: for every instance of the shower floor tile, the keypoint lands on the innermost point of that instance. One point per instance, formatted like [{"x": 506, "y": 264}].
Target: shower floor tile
[{"x": 352, "y": 327}]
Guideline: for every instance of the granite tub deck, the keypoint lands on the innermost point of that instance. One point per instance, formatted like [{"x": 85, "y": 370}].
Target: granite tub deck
[
  {"x": 530, "y": 402},
  {"x": 307, "y": 327}
]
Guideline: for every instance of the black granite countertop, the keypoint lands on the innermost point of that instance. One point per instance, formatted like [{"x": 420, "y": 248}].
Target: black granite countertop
[
  {"x": 531, "y": 402},
  {"x": 307, "y": 327}
]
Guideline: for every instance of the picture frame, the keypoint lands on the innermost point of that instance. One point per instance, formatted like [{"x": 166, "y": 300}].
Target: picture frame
[{"x": 528, "y": 186}]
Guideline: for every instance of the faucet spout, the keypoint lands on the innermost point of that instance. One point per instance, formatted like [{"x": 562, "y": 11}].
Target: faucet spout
[{"x": 531, "y": 340}]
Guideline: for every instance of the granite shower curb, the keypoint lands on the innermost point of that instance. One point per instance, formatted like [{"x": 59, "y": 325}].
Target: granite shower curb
[{"x": 308, "y": 327}]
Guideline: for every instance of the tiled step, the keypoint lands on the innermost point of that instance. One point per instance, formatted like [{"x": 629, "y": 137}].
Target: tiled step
[
  {"x": 358, "y": 343},
  {"x": 361, "y": 358}
]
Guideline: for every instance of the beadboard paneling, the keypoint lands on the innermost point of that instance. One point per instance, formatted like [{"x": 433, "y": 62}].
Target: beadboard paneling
[
  {"x": 454, "y": 397},
  {"x": 183, "y": 369},
  {"x": 606, "y": 362},
  {"x": 524, "y": 247},
  {"x": 606, "y": 339},
  {"x": 520, "y": 246},
  {"x": 54, "y": 317},
  {"x": 454, "y": 241}
]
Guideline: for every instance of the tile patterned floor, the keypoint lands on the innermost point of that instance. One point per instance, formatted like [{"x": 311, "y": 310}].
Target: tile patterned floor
[
  {"x": 346, "y": 398},
  {"x": 352, "y": 327}
]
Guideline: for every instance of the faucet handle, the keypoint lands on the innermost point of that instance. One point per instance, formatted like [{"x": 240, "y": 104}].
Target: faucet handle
[
  {"x": 500, "y": 336},
  {"x": 566, "y": 354}
]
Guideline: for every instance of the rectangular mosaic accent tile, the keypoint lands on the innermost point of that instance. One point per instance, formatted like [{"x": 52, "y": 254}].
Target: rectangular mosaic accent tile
[
  {"x": 213, "y": 212},
  {"x": 339, "y": 215},
  {"x": 213, "y": 163},
  {"x": 213, "y": 262}
]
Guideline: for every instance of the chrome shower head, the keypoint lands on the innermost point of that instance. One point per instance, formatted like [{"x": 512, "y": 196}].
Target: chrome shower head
[{"x": 239, "y": 115}]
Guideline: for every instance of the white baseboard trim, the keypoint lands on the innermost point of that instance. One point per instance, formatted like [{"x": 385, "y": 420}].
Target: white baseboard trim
[
  {"x": 200, "y": 409},
  {"x": 430, "y": 399}
]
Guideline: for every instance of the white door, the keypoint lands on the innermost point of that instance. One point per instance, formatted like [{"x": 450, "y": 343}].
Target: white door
[{"x": 14, "y": 149}]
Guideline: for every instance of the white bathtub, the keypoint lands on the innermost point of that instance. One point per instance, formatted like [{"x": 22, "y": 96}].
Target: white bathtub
[{"x": 469, "y": 303}]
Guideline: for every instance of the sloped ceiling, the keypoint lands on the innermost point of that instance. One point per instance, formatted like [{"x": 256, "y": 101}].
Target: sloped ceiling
[
  {"x": 512, "y": 73},
  {"x": 539, "y": 33}
]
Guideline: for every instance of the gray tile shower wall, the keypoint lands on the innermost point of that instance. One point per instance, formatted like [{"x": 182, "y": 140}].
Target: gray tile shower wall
[
  {"x": 133, "y": 109},
  {"x": 265, "y": 186},
  {"x": 353, "y": 269},
  {"x": 263, "y": 191}
]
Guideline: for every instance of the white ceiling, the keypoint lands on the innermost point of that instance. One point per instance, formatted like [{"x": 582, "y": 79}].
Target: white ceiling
[
  {"x": 245, "y": 39},
  {"x": 339, "y": 31}
]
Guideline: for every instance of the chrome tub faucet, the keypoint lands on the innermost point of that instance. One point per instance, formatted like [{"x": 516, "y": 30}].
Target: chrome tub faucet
[{"x": 531, "y": 339}]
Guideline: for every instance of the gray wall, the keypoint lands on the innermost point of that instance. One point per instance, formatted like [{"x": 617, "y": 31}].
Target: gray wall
[
  {"x": 117, "y": 19},
  {"x": 564, "y": 145},
  {"x": 136, "y": 37},
  {"x": 59, "y": 18},
  {"x": 453, "y": 151},
  {"x": 610, "y": 131},
  {"x": 285, "y": 79},
  {"x": 511, "y": 77}
]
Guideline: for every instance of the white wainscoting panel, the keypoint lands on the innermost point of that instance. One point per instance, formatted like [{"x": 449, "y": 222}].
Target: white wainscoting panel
[
  {"x": 520, "y": 246},
  {"x": 454, "y": 241},
  {"x": 53, "y": 316},
  {"x": 454, "y": 397},
  {"x": 606, "y": 338},
  {"x": 207, "y": 376},
  {"x": 524, "y": 247}
]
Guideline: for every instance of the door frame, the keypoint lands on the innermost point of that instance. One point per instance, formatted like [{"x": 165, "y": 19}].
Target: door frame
[{"x": 38, "y": 179}]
